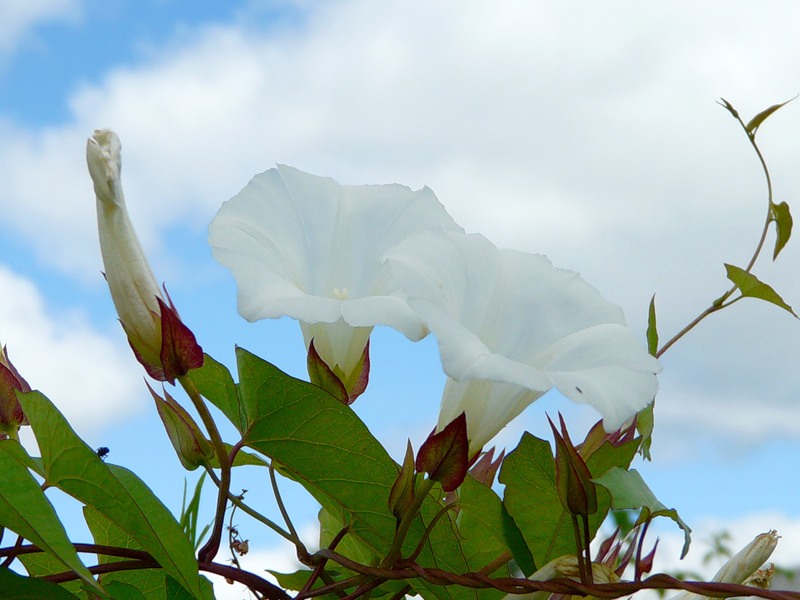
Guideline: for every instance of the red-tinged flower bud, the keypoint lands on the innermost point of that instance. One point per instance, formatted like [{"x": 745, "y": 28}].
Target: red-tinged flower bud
[
  {"x": 191, "y": 446},
  {"x": 576, "y": 489},
  {"x": 444, "y": 455},
  {"x": 485, "y": 469},
  {"x": 11, "y": 415},
  {"x": 402, "y": 493},
  {"x": 345, "y": 388},
  {"x": 161, "y": 342}
]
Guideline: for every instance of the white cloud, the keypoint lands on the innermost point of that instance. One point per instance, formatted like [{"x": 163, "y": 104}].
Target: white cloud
[
  {"x": 741, "y": 531},
  {"x": 88, "y": 376},
  {"x": 585, "y": 133},
  {"x": 18, "y": 18}
]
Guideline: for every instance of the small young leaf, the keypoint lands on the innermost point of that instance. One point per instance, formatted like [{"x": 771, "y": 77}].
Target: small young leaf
[
  {"x": 531, "y": 496},
  {"x": 652, "y": 330},
  {"x": 754, "y": 123},
  {"x": 750, "y": 286},
  {"x": 629, "y": 491},
  {"x": 729, "y": 107},
  {"x": 783, "y": 226}
]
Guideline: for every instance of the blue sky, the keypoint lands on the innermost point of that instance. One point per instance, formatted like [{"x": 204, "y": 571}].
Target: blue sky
[{"x": 587, "y": 134}]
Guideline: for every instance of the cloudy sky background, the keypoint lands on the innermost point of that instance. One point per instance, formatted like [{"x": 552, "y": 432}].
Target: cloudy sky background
[{"x": 585, "y": 131}]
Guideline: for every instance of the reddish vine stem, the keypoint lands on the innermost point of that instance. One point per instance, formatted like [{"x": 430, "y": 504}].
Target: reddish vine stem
[
  {"x": 511, "y": 585},
  {"x": 477, "y": 580},
  {"x": 139, "y": 559}
]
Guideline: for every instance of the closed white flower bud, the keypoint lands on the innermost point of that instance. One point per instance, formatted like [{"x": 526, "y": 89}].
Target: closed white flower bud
[
  {"x": 133, "y": 287},
  {"x": 750, "y": 558}
]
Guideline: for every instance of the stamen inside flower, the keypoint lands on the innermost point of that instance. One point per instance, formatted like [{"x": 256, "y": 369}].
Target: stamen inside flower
[{"x": 340, "y": 294}]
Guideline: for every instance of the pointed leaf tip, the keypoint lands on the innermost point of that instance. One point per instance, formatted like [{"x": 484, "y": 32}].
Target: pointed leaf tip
[
  {"x": 750, "y": 286},
  {"x": 754, "y": 123},
  {"x": 445, "y": 455}
]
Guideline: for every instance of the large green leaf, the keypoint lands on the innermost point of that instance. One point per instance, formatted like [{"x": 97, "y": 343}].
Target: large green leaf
[
  {"x": 532, "y": 500},
  {"x": 18, "y": 587},
  {"x": 73, "y": 467},
  {"x": 25, "y": 509},
  {"x": 481, "y": 526},
  {"x": 322, "y": 444},
  {"x": 629, "y": 491},
  {"x": 215, "y": 383},
  {"x": 150, "y": 582},
  {"x": 41, "y": 564},
  {"x": 750, "y": 286}
]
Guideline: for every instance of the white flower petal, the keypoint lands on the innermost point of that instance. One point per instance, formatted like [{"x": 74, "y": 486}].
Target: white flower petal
[
  {"x": 512, "y": 318},
  {"x": 307, "y": 247}
]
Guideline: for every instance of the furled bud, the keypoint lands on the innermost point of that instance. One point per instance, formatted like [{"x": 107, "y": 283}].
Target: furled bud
[
  {"x": 443, "y": 456},
  {"x": 191, "y": 446},
  {"x": 576, "y": 489},
  {"x": 743, "y": 564},
  {"x": 750, "y": 558},
  {"x": 162, "y": 343},
  {"x": 402, "y": 493},
  {"x": 11, "y": 415}
]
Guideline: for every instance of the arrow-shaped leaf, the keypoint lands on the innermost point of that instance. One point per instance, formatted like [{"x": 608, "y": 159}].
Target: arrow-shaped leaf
[
  {"x": 750, "y": 286},
  {"x": 629, "y": 491},
  {"x": 26, "y": 510}
]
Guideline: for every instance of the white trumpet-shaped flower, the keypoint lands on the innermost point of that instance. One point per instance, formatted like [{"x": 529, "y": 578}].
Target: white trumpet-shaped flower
[
  {"x": 305, "y": 246},
  {"x": 133, "y": 287},
  {"x": 510, "y": 327}
]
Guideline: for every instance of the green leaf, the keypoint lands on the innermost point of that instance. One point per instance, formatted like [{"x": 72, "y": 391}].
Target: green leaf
[
  {"x": 352, "y": 547},
  {"x": 629, "y": 491},
  {"x": 215, "y": 383},
  {"x": 652, "y": 330},
  {"x": 531, "y": 496},
  {"x": 754, "y": 123},
  {"x": 153, "y": 584},
  {"x": 41, "y": 564},
  {"x": 124, "y": 591},
  {"x": 750, "y": 286},
  {"x": 321, "y": 443},
  {"x": 481, "y": 526},
  {"x": 783, "y": 226},
  {"x": 25, "y": 509},
  {"x": 73, "y": 467},
  {"x": 18, "y": 587}
]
